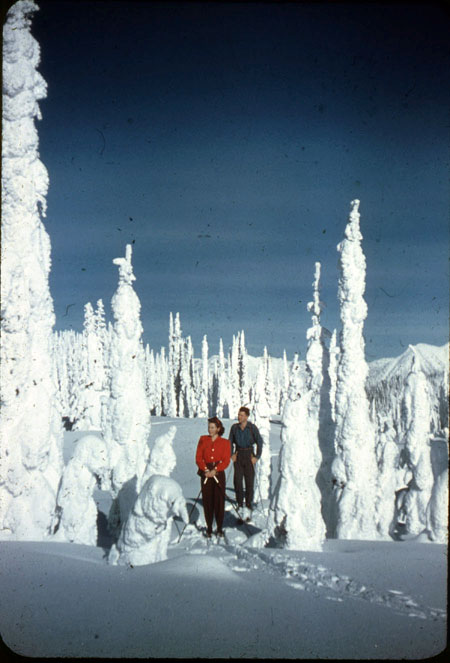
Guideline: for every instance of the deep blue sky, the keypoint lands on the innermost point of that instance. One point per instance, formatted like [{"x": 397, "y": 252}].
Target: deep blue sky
[{"x": 226, "y": 141}]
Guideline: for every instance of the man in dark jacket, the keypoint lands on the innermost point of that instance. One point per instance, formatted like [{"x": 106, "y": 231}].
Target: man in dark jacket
[{"x": 243, "y": 436}]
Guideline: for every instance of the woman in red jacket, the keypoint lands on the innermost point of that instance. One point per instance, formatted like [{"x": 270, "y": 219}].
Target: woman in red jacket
[{"x": 213, "y": 457}]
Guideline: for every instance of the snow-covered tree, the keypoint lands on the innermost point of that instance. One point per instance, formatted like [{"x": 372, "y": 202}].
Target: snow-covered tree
[
  {"x": 417, "y": 416},
  {"x": 261, "y": 417},
  {"x": 150, "y": 377},
  {"x": 88, "y": 468},
  {"x": 103, "y": 335},
  {"x": 319, "y": 423},
  {"x": 222, "y": 387},
  {"x": 203, "y": 401},
  {"x": 31, "y": 429},
  {"x": 354, "y": 468},
  {"x": 188, "y": 399},
  {"x": 389, "y": 479},
  {"x": 77, "y": 377},
  {"x": 125, "y": 415},
  {"x": 285, "y": 382},
  {"x": 144, "y": 539},
  {"x": 437, "y": 512},
  {"x": 244, "y": 386},
  {"x": 175, "y": 400},
  {"x": 233, "y": 379},
  {"x": 332, "y": 372},
  {"x": 269, "y": 385},
  {"x": 162, "y": 458},
  {"x": 59, "y": 354},
  {"x": 296, "y": 517},
  {"x": 94, "y": 378}
]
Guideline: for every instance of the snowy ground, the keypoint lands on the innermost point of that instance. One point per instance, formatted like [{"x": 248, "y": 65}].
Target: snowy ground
[{"x": 354, "y": 600}]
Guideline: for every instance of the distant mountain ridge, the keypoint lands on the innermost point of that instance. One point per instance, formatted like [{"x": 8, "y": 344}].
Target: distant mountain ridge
[{"x": 434, "y": 361}]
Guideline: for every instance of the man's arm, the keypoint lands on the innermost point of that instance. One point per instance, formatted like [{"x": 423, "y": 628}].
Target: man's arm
[
  {"x": 232, "y": 439},
  {"x": 258, "y": 439}
]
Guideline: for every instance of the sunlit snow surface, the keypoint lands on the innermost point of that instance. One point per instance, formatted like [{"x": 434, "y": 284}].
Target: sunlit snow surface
[{"x": 354, "y": 599}]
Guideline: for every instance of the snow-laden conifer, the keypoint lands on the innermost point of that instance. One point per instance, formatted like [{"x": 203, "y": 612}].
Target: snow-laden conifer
[
  {"x": 269, "y": 384},
  {"x": 203, "y": 401},
  {"x": 88, "y": 468},
  {"x": 103, "y": 337},
  {"x": 261, "y": 417},
  {"x": 285, "y": 382},
  {"x": 244, "y": 384},
  {"x": 295, "y": 517},
  {"x": 175, "y": 394},
  {"x": 437, "y": 512},
  {"x": 222, "y": 387},
  {"x": 59, "y": 354},
  {"x": 150, "y": 377},
  {"x": 145, "y": 536},
  {"x": 162, "y": 458},
  {"x": 332, "y": 372},
  {"x": 319, "y": 423},
  {"x": 354, "y": 468},
  {"x": 389, "y": 478},
  {"x": 93, "y": 388},
  {"x": 187, "y": 379},
  {"x": 233, "y": 379},
  {"x": 125, "y": 415},
  {"x": 31, "y": 429},
  {"x": 77, "y": 373},
  {"x": 417, "y": 415},
  {"x": 159, "y": 382}
]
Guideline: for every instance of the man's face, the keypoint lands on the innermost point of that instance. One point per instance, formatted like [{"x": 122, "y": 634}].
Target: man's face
[{"x": 242, "y": 417}]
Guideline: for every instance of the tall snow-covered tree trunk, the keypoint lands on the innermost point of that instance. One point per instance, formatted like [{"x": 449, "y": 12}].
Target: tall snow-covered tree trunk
[
  {"x": 93, "y": 361},
  {"x": 417, "y": 417},
  {"x": 175, "y": 365},
  {"x": 332, "y": 372},
  {"x": 187, "y": 383},
  {"x": 233, "y": 380},
  {"x": 221, "y": 384},
  {"x": 31, "y": 428},
  {"x": 320, "y": 423},
  {"x": 387, "y": 453},
  {"x": 244, "y": 386},
  {"x": 125, "y": 415},
  {"x": 285, "y": 382},
  {"x": 150, "y": 378},
  {"x": 354, "y": 467},
  {"x": 204, "y": 381},
  {"x": 59, "y": 353},
  {"x": 269, "y": 385},
  {"x": 261, "y": 417},
  {"x": 296, "y": 518}
]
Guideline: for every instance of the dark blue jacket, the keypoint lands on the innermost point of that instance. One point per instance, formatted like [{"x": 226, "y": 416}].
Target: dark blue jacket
[{"x": 247, "y": 438}]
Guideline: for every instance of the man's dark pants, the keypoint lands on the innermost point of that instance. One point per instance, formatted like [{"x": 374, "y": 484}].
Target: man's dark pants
[{"x": 244, "y": 470}]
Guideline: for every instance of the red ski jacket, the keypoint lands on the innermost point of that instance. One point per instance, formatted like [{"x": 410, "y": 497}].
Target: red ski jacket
[{"x": 218, "y": 452}]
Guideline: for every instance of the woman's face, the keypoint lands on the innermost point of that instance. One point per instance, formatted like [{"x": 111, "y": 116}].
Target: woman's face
[{"x": 212, "y": 429}]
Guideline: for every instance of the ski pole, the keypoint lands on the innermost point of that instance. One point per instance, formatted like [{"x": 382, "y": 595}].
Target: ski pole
[
  {"x": 189, "y": 519},
  {"x": 232, "y": 504}
]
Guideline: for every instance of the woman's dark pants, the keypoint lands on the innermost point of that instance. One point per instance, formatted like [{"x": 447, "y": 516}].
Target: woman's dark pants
[
  {"x": 213, "y": 495},
  {"x": 244, "y": 470}
]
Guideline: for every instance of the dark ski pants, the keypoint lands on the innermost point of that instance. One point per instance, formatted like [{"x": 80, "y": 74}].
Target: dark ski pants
[
  {"x": 244, "y": 470},
  {"x": 213, "y": 495}
]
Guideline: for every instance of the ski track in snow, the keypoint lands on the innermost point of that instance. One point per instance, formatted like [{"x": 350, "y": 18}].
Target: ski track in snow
[{"x": 302, "y": 575}]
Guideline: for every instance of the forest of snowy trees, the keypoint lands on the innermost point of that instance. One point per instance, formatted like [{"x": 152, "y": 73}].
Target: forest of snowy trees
[{"x": 358, "y": 453}]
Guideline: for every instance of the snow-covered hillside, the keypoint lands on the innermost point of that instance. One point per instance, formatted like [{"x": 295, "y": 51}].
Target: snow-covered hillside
[{"x": 387, "y": 378}]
